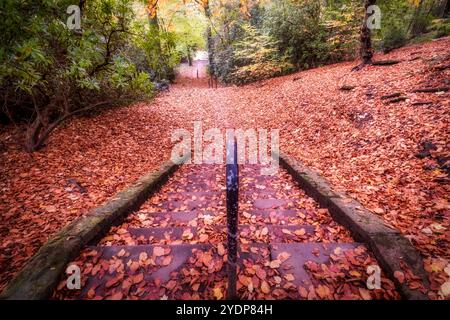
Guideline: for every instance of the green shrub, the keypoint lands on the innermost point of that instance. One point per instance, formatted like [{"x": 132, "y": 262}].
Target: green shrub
[
  {"x": 253, "y": 57},
  {"x": 393, "y": 38},
  {"x": 48, "y": 72}
]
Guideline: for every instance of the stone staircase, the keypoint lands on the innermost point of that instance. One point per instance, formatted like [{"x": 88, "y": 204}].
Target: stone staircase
[{"x": 179, "y": 234}]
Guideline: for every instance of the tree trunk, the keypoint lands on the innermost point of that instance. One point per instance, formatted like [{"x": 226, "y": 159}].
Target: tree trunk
[
  {"x": 32, "y": 140},
  {"x": 209, "y": 41},
  {"x": 189, "y": 56},
  {"x": 366, "y": 50},
  {"x": 439, "y": 8},
  {"x": 161, "y": 71}
]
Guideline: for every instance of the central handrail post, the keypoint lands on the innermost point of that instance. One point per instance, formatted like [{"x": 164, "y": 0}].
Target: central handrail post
[{"x": 232, "y": 183}]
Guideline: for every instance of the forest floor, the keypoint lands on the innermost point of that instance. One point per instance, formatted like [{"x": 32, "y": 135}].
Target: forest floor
[{"x": 392, "y": 156}]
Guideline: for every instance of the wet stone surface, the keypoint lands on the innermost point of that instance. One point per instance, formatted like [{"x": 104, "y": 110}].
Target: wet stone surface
[{"x": 174, "y": 245}]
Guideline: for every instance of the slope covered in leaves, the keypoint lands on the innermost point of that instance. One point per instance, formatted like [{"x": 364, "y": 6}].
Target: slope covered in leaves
[
  {"x": 374, "y": 149},
  {"x": 365, "y": 145}
]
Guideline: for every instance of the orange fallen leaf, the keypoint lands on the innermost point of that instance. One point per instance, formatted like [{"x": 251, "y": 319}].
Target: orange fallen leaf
[
  {"x": 166, "y": 261},
  {"x": 137, "y": 278},
  {"x": 218, "y": 293},
  {"x": 323, "y": 291},
  {"x": 221, "y": 249},
  {"x": 365, "y": 294},
  {"x": 274, "y": 264},
  {"x": 158, "y": 251},
  {"x": 143, "y": 256},
  {"x": 265, "y": 288},
  {"x": 115, "y": 296},
  {"x": 114, "y": 281},
  {"x": 283, "y": 256},
  {"x": 303, "y": 292},
  {"x": 289, "y": 277},
  {"x": 400, "y": 276},
  {"x": 134, "y": 266}
]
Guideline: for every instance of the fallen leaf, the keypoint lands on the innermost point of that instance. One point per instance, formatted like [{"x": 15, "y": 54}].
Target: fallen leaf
[
  {"x": 134, "y": 266},
  {"x": 218, "y": 293},
  {"x": 400, "y": 276},
  {"x": 265, "y": 288},
  {"x": 289, "y": 277},
  {"x": 274, "y": 264},
  {"x": 158, "y": 251},
  {"x": 137, "y": 278},
  {"x": 221, "y": 249},
  {"x": 365, "y": 294},
  {"x": 166, "y": 261},
  {"x": 323, "y": 291}
]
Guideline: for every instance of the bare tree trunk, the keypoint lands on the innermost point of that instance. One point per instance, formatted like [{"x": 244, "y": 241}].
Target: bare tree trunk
[
  {"x": 366, "y": 50},
  {"x": 210, "y": 45},
  {"x": 439, "y": 8},
  {"x": 189, "y": 56},
  {"x": 39, "y": 131},
  {"x": 209, "y": 41},
  {"x": 32, "y": 135}
]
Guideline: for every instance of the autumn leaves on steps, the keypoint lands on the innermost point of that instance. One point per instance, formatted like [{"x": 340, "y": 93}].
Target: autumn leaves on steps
[{"x": 173, "y": 247}]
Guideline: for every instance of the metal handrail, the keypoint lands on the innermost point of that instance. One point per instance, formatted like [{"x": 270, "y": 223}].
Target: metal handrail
[{"x": 232, "y": 183}]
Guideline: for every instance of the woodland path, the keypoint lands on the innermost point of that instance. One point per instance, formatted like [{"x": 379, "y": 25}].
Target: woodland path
[
  {"x": 174, "y": 245},
  {"x": 362, "y": 144}
]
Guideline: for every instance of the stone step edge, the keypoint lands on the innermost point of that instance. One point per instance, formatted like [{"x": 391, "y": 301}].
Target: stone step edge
[{"x": 387, "y": 244}]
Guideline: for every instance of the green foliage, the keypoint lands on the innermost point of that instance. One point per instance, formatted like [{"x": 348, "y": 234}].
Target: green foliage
[
  {"x": 187, "y": 24},
  {"x": 298, "y": 28},
  {"x": 296, "y": 35},
  {"x": 442, "y": 28},
  {"x": 395, "y": 24},
  {"x": 342, "y": 21},
  {"x": 255, "y": 57},
  {"x": 48, "y": 72},
  {"x": 310, "y": 33}
]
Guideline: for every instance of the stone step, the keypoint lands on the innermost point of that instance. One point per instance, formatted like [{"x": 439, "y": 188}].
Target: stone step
[
  {"x": 160, "y": 235},
  {"x": 258, "y": 193},
  {"x": 186, "y": 205},
  {"x": 191, "y": 218},
  {"x": 247, "y": 233},
  {"x": 194, "y": 195},
  {"x": 145, "y": 271},
  {"x": 166, "y": 219},
  {"x": 206, "y": 177},
  {"x": 281, "y": 213},
  {"x": 275, "y": 233},
  {"x": 199, "y": 186},
  {"x": 253, "y": 180},
  {"x": 301, "y": 253},
  {"x": 271, "y": 203}
]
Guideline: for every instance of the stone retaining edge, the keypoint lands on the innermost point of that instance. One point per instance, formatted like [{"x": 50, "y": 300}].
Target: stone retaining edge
[
  {"x": 41, "y": 274},
  {"x": 387, "y": 244}
]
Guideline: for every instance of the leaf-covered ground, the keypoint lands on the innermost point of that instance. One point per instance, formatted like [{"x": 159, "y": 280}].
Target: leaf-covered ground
[{"x": 391, "y": 156}]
